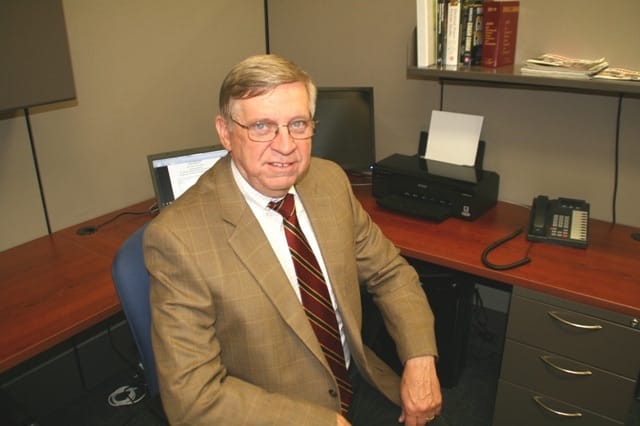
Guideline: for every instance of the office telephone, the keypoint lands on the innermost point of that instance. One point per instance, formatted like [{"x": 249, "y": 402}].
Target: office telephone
[{"x": 562, "y": 221}]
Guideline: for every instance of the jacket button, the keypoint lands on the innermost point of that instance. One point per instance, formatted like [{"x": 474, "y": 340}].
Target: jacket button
[{"x": 333, "y": 393}]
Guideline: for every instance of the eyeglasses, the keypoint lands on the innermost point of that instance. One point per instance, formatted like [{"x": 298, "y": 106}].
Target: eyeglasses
[{"x": 266, "y": 131}]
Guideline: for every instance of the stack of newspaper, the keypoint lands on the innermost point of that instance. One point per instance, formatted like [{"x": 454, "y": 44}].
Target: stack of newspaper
[
  {"x": 617, "y": 73},
  {"x": 558, "y": 66}
]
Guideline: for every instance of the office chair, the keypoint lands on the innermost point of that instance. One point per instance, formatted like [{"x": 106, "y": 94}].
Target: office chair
[{"x": 131, "y": 280}]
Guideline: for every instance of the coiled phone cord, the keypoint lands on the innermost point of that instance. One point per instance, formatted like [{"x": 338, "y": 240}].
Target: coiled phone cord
[{"x": 490, "y": 247}]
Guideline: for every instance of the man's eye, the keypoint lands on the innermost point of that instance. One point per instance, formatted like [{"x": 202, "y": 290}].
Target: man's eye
[
  {"x": 298, "y": 124},
  {"x": 260, "y": 125}
]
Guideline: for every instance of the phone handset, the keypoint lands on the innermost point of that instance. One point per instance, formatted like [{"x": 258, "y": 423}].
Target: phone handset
[{"x": 539, "y": 212}]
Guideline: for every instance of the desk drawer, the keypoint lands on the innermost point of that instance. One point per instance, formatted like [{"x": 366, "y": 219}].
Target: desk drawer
[
  {"x": 516, "y": 405},
  {"x": 589, "y": 387},
  {"x": 591, "y": 340}
]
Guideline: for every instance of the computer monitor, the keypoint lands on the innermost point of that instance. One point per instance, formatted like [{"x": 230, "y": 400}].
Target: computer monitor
[
  {"x": 172, "y": 173},
  {"x": 345, "y": 129}
]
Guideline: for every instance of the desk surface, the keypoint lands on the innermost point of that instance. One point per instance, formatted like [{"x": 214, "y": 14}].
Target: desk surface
[
  {"x": 57, "y": 286},
  {"x": 605, "y": 275}
]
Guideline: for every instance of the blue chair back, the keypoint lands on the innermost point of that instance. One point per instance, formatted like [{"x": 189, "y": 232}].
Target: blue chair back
[{"x": 131, "y": 280}]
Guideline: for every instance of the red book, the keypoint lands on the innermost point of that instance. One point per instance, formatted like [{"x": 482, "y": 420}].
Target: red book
[{"x": 500, "y": 29}]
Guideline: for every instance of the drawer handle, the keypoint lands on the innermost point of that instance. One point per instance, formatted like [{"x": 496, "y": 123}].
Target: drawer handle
[
  {"x": 538, "y": 400},
  {"x": 547, "y": 360},
  {"x": 556, "y": 316}
]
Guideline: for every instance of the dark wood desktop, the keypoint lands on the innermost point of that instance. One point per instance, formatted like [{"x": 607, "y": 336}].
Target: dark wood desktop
[
  {"x": 605, "y": 275},
  {"x": 56, "y": 286}
]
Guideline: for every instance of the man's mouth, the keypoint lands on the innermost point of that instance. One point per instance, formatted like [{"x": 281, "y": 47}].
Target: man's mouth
[{"x": 282, "y": 165}]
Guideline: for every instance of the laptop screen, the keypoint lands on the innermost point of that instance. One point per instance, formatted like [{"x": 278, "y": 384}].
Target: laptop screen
[{"x": 172, "y": 173}]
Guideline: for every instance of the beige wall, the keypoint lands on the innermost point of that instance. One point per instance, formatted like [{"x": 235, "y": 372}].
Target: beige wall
[
  {"x": 556, "y": 143},
  {"x": 359, "y": 43},
  {"x": 147, "y": 74},
  {"x": 580, "y": 28}
]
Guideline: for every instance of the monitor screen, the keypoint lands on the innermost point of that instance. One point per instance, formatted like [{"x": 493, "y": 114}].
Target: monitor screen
[
  {"x": 172, "y": 173},
  {"x": 345, "y": 129}
]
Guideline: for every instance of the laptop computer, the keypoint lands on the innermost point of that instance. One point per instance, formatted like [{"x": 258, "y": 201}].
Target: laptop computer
[{"x": 172, "y": 173}]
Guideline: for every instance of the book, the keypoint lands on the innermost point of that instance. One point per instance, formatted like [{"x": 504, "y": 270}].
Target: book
[
  {"x": 471, "y": 47},
  {"x": 500, "y": 31},
  {"x": 476, "y": 48},
  {"x": 466, "y": 21},
  {"x": 426, "y": 42},
  {"x": 441, "y": 30},
  {"x": 552, "y": 65},
  {"x": 452, "y": 44}
]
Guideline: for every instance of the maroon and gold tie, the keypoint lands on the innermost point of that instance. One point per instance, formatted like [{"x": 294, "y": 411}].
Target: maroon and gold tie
[{"x": 315, "y": 297}]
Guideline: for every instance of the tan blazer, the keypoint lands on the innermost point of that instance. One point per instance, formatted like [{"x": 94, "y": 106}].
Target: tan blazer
[{"x": 231, "y": 340}]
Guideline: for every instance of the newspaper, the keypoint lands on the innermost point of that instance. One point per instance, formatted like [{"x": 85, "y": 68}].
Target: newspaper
[
  {"x": 617, "y": 73},
  {"x": 553, "y": 65}
]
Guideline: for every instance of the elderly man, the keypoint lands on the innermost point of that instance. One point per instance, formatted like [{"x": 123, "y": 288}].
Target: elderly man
[{"x": 256, "y": 278}]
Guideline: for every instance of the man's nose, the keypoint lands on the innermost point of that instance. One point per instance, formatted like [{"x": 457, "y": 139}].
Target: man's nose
[{"x": 283, "y": 141}]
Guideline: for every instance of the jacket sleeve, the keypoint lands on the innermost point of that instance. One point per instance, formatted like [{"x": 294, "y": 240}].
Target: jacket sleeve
[{"x": 395, "y": 288}]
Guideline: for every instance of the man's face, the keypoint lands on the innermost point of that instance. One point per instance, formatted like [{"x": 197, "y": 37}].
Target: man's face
[{"x": 269, "y": 167}]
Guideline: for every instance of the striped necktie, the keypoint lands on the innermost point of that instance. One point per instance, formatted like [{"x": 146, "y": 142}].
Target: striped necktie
[{"x": 315, "y": 297}]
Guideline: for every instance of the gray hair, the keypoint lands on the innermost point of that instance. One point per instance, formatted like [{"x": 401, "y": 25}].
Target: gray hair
[{"x": 259, "y": 74}]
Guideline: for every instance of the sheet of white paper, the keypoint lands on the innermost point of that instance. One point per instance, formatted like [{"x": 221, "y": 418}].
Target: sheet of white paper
[
  {"x": 453, "y": 137},
  {"x": 463, "y": 173}
]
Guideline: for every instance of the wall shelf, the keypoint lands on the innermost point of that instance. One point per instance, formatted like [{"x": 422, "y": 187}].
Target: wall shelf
[{"x": 509, "y": 76}]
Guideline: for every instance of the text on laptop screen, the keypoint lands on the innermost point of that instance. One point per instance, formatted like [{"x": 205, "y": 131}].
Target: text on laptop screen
[{"x": 174, "y": 172}]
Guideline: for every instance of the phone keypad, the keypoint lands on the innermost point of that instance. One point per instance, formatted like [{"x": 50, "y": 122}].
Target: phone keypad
[
  {"x": 560, "y": 226},
  {"x": 574, "y": 226}
]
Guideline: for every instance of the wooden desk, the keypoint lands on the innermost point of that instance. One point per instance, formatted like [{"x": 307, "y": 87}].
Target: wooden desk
[
  {"x": 56, "y": 286},
  {"x": 605, "y": 275}
]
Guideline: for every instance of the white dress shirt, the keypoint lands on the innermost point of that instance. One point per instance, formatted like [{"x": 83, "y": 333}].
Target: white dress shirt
[{"x": 273, "y": 227}]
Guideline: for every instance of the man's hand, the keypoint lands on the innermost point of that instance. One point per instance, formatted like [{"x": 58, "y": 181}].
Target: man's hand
[
  {"x": 420, "y": 391},
  {"x": 342, "y": 421}
]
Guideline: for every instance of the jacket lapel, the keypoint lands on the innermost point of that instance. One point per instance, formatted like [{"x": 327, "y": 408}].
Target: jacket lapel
[{"x": 321, "y": 210}]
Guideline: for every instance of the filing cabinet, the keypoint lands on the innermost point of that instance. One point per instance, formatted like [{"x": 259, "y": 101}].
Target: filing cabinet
[{"x": 566, "y": 363}]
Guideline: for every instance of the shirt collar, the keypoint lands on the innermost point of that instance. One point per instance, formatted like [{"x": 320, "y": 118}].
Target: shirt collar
[{"x": 250, "y": 194}]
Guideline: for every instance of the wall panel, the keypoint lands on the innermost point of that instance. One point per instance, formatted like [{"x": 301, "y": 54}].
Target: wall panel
[
  {"x": 359, "y": 43},
  {"x": 147, "y": 75}
]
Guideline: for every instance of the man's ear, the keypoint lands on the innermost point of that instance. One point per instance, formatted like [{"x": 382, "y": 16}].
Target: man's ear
[{"x": 223, "y": 132}]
